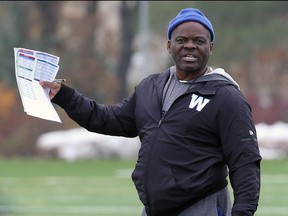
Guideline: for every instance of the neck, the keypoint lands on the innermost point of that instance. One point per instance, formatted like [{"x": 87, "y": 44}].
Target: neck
[{"x": 182, "y": 76}]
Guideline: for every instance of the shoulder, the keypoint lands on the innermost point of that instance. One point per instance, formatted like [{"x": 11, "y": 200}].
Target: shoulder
[{"x": 233, "y": 99}]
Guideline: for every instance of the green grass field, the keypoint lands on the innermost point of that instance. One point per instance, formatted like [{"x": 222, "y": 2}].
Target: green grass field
[{"x": 102, "y": 188}]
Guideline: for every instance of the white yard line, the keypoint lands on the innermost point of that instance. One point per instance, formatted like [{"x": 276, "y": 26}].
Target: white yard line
[
  {"x": 275, "y": 179},
  {"x": 73, "y": 210},
  {"x": 107, "y": 210},
  {"x": 275, "y": 210},
  {"x": 123, "y": 173}
]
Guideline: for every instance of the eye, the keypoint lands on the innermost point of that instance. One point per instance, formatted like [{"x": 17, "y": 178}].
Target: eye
[
  {"x": 200, "y": 41},
  {"x": 180, "y": 40}
]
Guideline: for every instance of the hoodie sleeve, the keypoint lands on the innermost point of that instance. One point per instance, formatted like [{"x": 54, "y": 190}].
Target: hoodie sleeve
[
  {"x": 241, "y": 151},
  {"x": 117, "y": 120}
]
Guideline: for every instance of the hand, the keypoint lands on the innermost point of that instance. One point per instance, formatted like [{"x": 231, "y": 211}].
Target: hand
[{"x": 53, "y": 86}]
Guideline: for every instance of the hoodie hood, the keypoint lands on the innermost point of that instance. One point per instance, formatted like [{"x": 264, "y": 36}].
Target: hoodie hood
[
  {"x": 223, "y": 73},
  {"x": 217, "y": 74}
]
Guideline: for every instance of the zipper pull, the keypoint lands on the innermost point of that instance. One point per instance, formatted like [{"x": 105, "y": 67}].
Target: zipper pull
[
  {"x": 162, "y": 117},
  {"x": 159, "y": 123}
]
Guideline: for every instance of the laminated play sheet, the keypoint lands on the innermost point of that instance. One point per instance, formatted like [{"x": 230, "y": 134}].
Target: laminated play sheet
[{"x": 30, "y": 67}]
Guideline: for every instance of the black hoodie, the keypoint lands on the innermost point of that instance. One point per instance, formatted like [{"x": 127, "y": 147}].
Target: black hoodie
[{"x": 207, "y": 133}]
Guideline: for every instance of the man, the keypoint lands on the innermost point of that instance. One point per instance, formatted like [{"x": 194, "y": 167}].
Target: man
[{"x": 195, "y": 128}]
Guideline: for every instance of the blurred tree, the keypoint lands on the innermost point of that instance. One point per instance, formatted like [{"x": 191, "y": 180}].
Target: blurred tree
[
  {"x": 8, "y": 36},
  {"x": 99, "y": 49},
  {"x": 48, "y": 18},
  {"x": 127, "y": 12}
]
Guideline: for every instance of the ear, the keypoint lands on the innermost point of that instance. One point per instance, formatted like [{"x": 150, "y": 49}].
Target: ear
[
  {"x": 169, "y": 46},
  {"x": 211, "y": 48}
]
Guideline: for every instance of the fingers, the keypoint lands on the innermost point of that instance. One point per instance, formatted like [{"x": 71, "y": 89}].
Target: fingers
[{"x": 53, "y": 86}]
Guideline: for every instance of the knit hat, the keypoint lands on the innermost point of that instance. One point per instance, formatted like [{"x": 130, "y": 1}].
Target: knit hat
[{"x": 190, "y": 14}]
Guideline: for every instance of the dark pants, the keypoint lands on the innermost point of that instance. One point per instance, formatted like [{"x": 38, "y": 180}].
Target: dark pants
[{"x": 217, "y": 204}]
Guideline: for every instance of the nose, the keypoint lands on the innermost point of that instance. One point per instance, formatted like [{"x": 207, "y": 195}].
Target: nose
[{"x": 190, "y": 44}]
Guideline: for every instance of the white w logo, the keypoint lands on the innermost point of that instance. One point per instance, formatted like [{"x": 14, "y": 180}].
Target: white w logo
[{"x": 198, "y": 101}]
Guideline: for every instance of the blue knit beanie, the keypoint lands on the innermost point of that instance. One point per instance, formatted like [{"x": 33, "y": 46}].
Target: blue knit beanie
[{"x": 190, "y": 14}]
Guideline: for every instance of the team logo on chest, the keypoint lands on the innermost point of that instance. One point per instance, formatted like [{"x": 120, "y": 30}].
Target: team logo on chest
[{"x": 198, "y": 101}]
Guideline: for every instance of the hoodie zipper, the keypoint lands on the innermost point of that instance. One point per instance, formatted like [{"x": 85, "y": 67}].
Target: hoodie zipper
[
  {"x": 160, "y": 122},
  {"x": 161, "y": 119},
  {"x": 148, "y": 166}
]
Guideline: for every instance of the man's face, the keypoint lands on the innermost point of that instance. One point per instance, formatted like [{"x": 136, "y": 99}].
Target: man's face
[{"x": 190, "y": 47}]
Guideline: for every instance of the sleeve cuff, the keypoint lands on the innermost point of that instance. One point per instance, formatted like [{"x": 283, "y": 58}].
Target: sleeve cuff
[{"x": 64, "y": 97}]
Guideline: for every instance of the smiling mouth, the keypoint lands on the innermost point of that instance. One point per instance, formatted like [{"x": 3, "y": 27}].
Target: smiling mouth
[{"x": 189, "y": 58}]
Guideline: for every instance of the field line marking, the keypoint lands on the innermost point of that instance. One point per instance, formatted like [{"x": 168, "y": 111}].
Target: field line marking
[
  {"x": 272, "y": 210},
  {"x": 73, "y": 209},
  {"x": 271, "y": 178}
]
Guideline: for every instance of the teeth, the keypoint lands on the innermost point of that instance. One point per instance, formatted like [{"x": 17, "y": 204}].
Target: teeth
[{"x": 189, "y": 57}]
